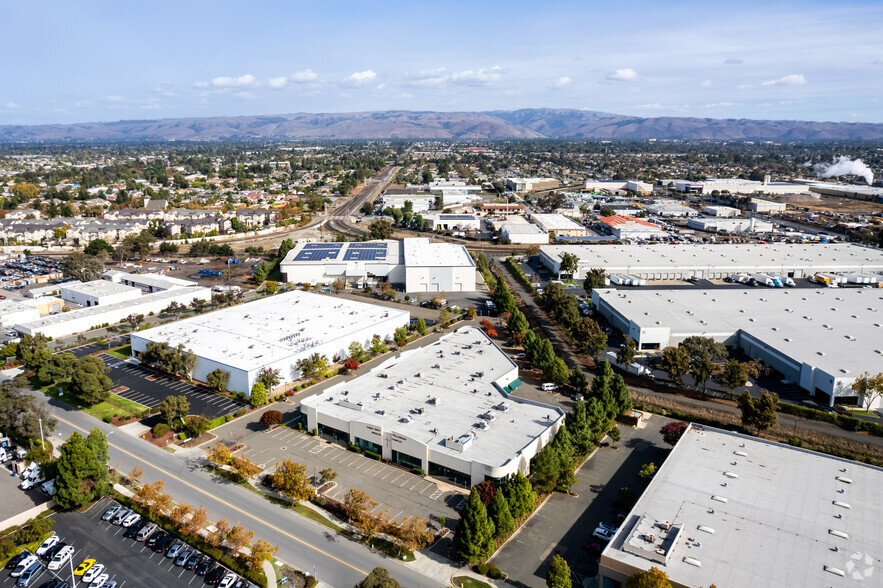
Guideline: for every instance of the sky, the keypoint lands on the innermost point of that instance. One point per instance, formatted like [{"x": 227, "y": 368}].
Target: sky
[{"x": 68, "y": 62}]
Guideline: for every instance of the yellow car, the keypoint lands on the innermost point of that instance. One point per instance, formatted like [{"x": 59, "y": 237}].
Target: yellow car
[{"x": 81, "y": 569}]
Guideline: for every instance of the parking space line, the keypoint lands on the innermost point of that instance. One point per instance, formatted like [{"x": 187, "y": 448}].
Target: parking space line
[
  {"x": 368, "y": 471},
  {"x": 317, "y": 450},
  {"x": 388, "y": 473},
  {"x": 396, "y": 478},
  {"x": 411, "y": 489},
  {"x": 436, "y": 494},
  {"x": 405, "y": 482}
]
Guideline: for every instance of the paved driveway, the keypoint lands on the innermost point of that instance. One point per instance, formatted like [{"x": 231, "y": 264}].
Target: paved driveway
[{"x": 148, "y": 387}]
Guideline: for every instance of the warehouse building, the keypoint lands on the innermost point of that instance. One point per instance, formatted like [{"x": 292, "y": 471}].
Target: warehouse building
[
  {"x": 416, "y": 263},
  {"x": 722, "y": 211},
  {"x": 730, "y": 225},
  {"x": 444, "y": 408},
  {"x": 626, "y": 227},
  {"x": 13, "y": 312},
  {"x": 671, "y": 209},
  {"x": 559, "y": 224},
  {"x": 820, "y": 339},
  {"x": 737, "y": 511},
  {"x": 739, "y": 186},
  {"x": 531, "y": 184},
  {"x": 523, "y": 233},
  {"x": 274, "y": 332},
  {"x": 88, "y": 318},
  {"x": 679, "y": 262},
  {"x": 767, "y": 206},
  {"x": 452, "y": 222},
  {"x": 97, "y": 292},
  {"x": 148, "y": 283},
  {"x": 630, "y": 186}
]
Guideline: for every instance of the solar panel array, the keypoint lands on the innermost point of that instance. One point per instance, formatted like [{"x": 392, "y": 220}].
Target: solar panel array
[
  {"x": 457, "y": 217},
  {"x": 318, "y": 251},
  {"x": 365, "y": 252}
]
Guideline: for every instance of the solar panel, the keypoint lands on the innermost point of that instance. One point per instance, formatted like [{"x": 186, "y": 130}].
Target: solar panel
[
  {"x": 365, "y": 252},
  {"x": 318, "y": 251}
]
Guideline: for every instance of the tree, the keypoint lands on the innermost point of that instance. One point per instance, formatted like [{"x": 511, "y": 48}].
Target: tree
[
  {"x": 558, "y": 575},
  {"x": 701, "y": 369},
  {"x": 198, "y": 305},
  {"x": 33, "y": 351},
  {"x": 175, "y": 309},
  {"x": 488, "y": 327},
  {"x": 356, "y": 351},
  {"x": 358, "y": 507},
  {"x": 569, "y": 264},
  {"x": 218, "y": 379},
  {"x": 378, "y": 578},
  {"x": 378, "y": 347},
  {"x": 498, "y": 510},
  {"x": 652, "y": 578},
  {"x": 698, "y": 347},
  {"x": 82, "y": 474},
  {"x": 197, "y": 425},
  {"x": 519, "y": 494},
  {"x": 759, "y": 413},
  {"x": 83, "y": 267},
  {"x": 412, "y": 535},
  {"x": 588, "y": 336},
  {"x": 314, "y": 365},
  {"x": 219, "y": 455},
  {"x": 734, "y": 374},
  {"x": 676, "y": 363},
  {"x": 869, "y": 388},
  {"x": 421, "y": 326},
  {"x": 222, "y": 528},
  {"x": 595, "y": 278},
  {"x": 135, "y": 320},
  {"x": 272, "y": 286},
  {"x": 57, "y": 367},
  {"x": 261, "y": 551},
  {"x": 98, "y": 246},
  {"x": 578, "y": 426},
  {"x": 258, "y": 394},
  {"x": 517, "y": 322},
  {"x": 338, "y": 285},
  {"x": 577, "y": 380},
  {"x": 291, "y": 479},
  {"x": 545, "y": 468},
  {"x": 271, "y": 417},
  {"x": 327, "y": 475},
  {"x": 474, "y": 539},
  {"x": 197, "y": 520},
  {"x": 400, "y": 336},
  {"x": 269, "y": 377},
  {"x": 672, "y": 432},
  {"x": 174, "y": 407},
  {"x": 648, "y": 470},
  {"x": 626, "y": 354},
  {"x": 243, "y": 469},
  {"x": 380, "y": 229},
  {"x": 89, "y": 380},
  {"x": 237, "y": 538}
]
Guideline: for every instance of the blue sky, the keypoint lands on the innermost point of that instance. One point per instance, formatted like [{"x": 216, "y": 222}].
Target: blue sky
[{"x": 90, "y": 61}]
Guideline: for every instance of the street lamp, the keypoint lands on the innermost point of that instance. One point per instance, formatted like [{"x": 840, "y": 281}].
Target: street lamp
[
  {"x": 73, "y": 578},
  {"x": 42, "y": 443}
]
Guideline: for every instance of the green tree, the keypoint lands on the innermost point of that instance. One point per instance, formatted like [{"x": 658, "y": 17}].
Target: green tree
[
  {"x": 588, "y": 336},
  {"x": 218, "y": 379},
  {"x": 545, "y": 468},
  {"x": 174, "y": 407},
  {"x": 595, "y": 278},
  {"x": 269, "y": 377},
  {"x": 517, "y": 322},
  {"x": 290, "y": 479},
  {"x": 380, "y": 229},
  {"x": 498, "y": 510},
  {"x": 676, "y": 363},
  {"x": 648, "y": 470},
  {"x": 621, "y": 394},
  {"x": 652, "y": 578},
  {"x": 580, "y": 431},
  {"x": 869, "y": 388},
  {"x": 258, "y": 394},
  {"x": 734, "y": 374},
  {"x": 626, "y": 354},
  {"x": 378, "y": 578},
  {"x": 197, "y": 425},
  {"x": 356, "y": 351},
  {"x": 558, "y": 575},
  {"x": 58, "y": 367},
  {"x": 759, "y": 413},
  {"x": 89, "y": 380},
  {"x": 577, "y": 380},
  {"x": 569, "y": 264},
  {"x": 474, "y": 539},
  {"x": 698, "y": 347},
  {"x": 519, "y": 494},
  {"x": 701, "y": 369},
  {"x": 314, "y": 365},
  {"x": 83, "y": 267},
  {"x": 82, "y": 473},
  {"x": 378, "y": 346},
  {"x": 97, "y": 246},
  {"x": 33, "y": 351}
]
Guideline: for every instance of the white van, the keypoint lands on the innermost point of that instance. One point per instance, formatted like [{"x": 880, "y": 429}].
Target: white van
[
  {"x": 61, "y": 557},
  {"x": 547, "y": 387},
  {"x": 48, "y": 487}
]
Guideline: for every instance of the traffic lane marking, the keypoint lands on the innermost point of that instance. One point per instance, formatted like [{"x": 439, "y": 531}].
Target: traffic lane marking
[{"x": 225, "y": 503}]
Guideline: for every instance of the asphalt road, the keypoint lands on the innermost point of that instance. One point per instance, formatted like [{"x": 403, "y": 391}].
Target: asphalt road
[{"x": 302, "y": 543}]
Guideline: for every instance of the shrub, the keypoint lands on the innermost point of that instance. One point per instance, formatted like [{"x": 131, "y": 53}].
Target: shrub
[
  {"x": 107, "y": 419},
  {"x": 314, "y": 432},
  {"x": 494, "y": 572},
  {"x": 271, "y": 417},
  {"x": 289, "y": 393},
  {"x": 351, "y": 447},
  {"x": 182, "y": 435},
  {"x": 351, "y": 364},
  {"x": 241, "y": 412},
  {"x": 229, "y": 417},
  {"x": 419, "y": 472},
  {"x": 372, "y": 455},
  {"x": 481, "y": 569},
  {"x": 300, "y": 426},
  {"x": 159, "y": 430}
]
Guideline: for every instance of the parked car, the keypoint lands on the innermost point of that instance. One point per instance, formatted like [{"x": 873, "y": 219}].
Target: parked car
[
  {"x": 83, "y": 567},
  {"x": 29, "y": 574},
  {"x": 48, "y": 544},
  {"x": 183, "y": 557},
  {"x": 93, "y": 572},
  {"x": 145, "y": 532},
  {"x": 17, "y": 559},
  {"x": 100, "y": 580},
  {"x": 23, "y": 565},
  {"x": 54, "y": 583},
  {"x": 163, "y": 543},
  {"x": 214, "y": 577},
  {"x": 111, "y": 512},
  {"x": 132, "y": 531},
  {"x": 609, "y": 527},
  {"x": 62, "y": 557},
  {"x": 176, "y": 549},
  {"x": 603, "y": 534},
  {"x": 228, "y": 581},
  {"x": 520, "y": 356},
  {"x": 204, "y": 567},
  {"x": 193, "y": 561},
  {"x": 120, "y": 516},
  {"x": 154, "y": 538},
  {"x": 549, "y": 387},
  {"x": 131, "y": 519},
  {"x": 53, "y": 551}
]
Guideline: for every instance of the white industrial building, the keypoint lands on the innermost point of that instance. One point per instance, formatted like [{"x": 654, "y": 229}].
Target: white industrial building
[
  {"x": 417, "y": 263},
  {"x": 730, "y": 225},
  {"x": 444, "y": 408},
  {"x": 678, "y": 262},
  {"x": 633, "y": 186},
  {"x": 722, "y": 211},
  {"x": 626, "y": 227},
  {"x": 737, "y": 511},
  {"x": 275, "y": 332},
  {"x": 97, "y": 292},
  {"x": 148, "y": 283},
  {"x": 670, "y": 209},
  {"x": 13, "y": 312},
  {"x": 523, "y": 233},
  {"x": 531, "y": 184},
  {"x": 767, "y": 206},
  {"x": 559, "y": 224},
  {"x": 820, "y": 339},
  {"x": 739, "y": 186},
  {"x": 452, "y": 222},
  {"x": 85, "y": 319}
]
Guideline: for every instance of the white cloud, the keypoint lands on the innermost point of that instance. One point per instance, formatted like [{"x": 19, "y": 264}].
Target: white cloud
[
  {"x": 789, "y": 80},
  {"x": 243, "y": 81},
  {"x": 733, "y": 61},
  {"x": 562, "y": 82},
  {"x": 277, "y": 83},
  {"x": 302, "y": 77},
  {"x": 200, "y": 84},
  {"x": 707, "y": 84},
  {"x": 623, "y": 75},
  {"x": 432, "y": 77},
  {"x": 11, "y": 105},
  {"x": 481, "y": 77},
  {"x": 721, "y": 104},
  {"x": 361, "y": 77}
]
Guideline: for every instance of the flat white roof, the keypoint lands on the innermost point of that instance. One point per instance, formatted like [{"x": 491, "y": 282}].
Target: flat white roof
[
  {"x": 421, "y": 252},
  {"x": 251, "y": 335},
  {"x": 155, "y": 280},
  {"x": 458, "y": 371},
  {"x": 95, "y": 288},
  {"x": 556, "y": 222},
  {"x": 839, "y": 330},
  {"x": 776, "y": 257},
  {"x": 749, "y": 512},
  {"x": 521, "y": 228},
  {"x": 350, "y": 252}
]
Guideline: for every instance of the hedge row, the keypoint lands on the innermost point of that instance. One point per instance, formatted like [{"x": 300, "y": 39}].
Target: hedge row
[
  {"x": 519, "y": 274},
  {"x": 844, "y": 422}
]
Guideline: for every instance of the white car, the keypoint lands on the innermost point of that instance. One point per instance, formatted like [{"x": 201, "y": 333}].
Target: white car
[
  {"x": 131, "y": 519},
  {"x": 228, "y": 581},
  {"x": 50, "y": 542},
  {"x": 603, "y": 534},
  {"x": 92, "y": 573},
  {"x": 61, "y": 557},
  {"x": 24, "y": 564},
  {"x": 100, "y": 580},
  {"x": 520, "y": 356},
  {"x": 548, "y": 387}
]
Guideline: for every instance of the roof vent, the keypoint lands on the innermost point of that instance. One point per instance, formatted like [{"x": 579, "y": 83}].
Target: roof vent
[
  {"x": 841, "y": 504},
  {"x": 693, "y": 561},
  {"x": 731, "y": 474},
  {"x": 837, "y": 533},
  {"x": 706, "y": 529},
  {"x": 844, "y": 480},
  {"x": 835, "y": 571},
  {"x": 719, "y": 498},
  {"x": 740, "y": 453}
]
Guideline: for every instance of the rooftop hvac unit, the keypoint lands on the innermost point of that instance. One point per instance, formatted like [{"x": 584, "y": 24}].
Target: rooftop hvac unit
[
  {"x": 650, "y": 538},
  {"x": 665, "y": 525}
]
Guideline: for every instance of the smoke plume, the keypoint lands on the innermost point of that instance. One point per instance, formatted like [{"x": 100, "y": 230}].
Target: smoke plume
[{"x": 844, "y": 166}]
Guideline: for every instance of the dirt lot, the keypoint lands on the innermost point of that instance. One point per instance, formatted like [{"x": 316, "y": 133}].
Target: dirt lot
[{"x": 834, "y": 204}]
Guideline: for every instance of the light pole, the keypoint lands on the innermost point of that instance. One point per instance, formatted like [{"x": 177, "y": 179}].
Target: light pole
[
  {"x": 70, "y": 561},
  {"x": 42, "y": 443}
]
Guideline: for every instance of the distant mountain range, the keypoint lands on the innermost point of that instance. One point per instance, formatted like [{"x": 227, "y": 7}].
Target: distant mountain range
[{"x": 528, "y": 123}]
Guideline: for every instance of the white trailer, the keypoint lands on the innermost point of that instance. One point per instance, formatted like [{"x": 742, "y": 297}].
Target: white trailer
[
  {"x": 636, "y": 281},
  {"x": 764, "y": 280},
  {"x": 786, "y": 281}
]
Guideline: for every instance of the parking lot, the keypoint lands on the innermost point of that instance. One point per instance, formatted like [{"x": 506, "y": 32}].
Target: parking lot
[
  {"x": 148, "y": 387},
  {"x": 131, "y": 564}
]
